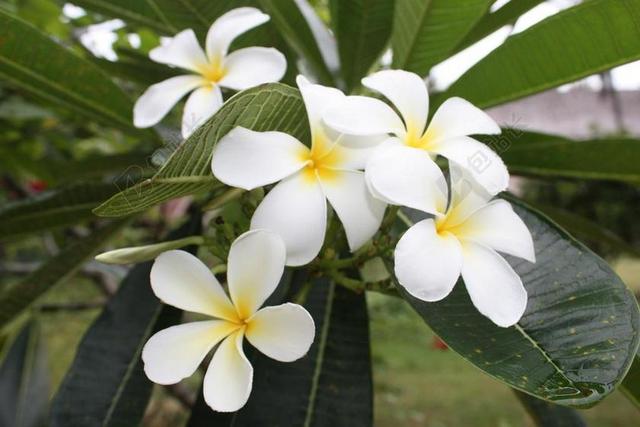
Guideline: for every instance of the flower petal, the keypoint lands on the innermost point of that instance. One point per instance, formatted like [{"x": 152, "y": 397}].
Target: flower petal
[
  {"x": 159, "y": 98},
  {"x": 497, "y": 226},
  {"x": 295, "y": 209},
  {"x": 182, "y": 51},
  {"x": 176, "y": 352},
  {"x": 182, "y": 280},
  {"x": 361, "y": 115},
  {"x": 317, "y": 100},
  {"x": 407, "y": 91},
  {"x": 254, "y": 268},
  {"x": 495, "y": 289},
  {"x": 458, "y": 117},
  {"x": 253, "y": 66},
  {"x": 229, "y": 26},
  {"x": 248, "y": 159},
  {"x": 467, "y": 196},
  {"x": 201, "y": 105},
  {"x": 407, "y": 177},
  {"x": 227, "y": 383},
  {"x": 284, "y": 332},
  {"x": 485, "y": 166},
  {"x": 360, "y": 213},
  {"x": 427, "y": 264}
]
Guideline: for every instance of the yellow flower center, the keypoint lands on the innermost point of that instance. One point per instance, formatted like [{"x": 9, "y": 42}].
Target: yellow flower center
[
  {"x": 213, "y": 71},
  {"x": 416, "y": 140},
  {"x": 322, "y": 159}
]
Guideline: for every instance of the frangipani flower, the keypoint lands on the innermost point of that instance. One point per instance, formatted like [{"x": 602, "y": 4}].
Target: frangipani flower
[
  {"x": 446, "y": 135},
  {"x": 431, "y": 255},
  {"x": 284, "y": 332},
  {"x": 212, "y": 70},
  {"x": 296, "y": 208}
]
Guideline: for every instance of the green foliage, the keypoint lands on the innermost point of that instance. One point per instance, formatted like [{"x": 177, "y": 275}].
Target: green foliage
[
  {"x": 547, "y": 414},
  {"x": 631, "y": 384}
]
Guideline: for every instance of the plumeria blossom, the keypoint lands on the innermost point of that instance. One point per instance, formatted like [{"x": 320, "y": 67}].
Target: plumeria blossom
[
  {"x": 463, "y": 240},
  {"x": 296, "y": 207},
  {"x": 447, "y": 134},
  {"x": 209, "y": 71},
  {"x": 283, "y": 332}
]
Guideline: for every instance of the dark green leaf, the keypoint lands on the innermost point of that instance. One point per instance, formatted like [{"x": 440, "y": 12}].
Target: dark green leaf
[
  {"x": 563, "y": 48},
  {"x": 547, "y": 414},
  {"x": 425, "y": 32},
  {"x": 24, "y": 381},
  {"x": 362, "y": 29},
  {"x": 195, "y": 14},
  {"x": 33, "y": 62},
  {"x": 329, "y": 387},
  {"x": 134, "y": 66},
  {"x": 188, "y": 170},
  {"x": 577, "y": 337},
  {"x": 106, "y": 385},
  {"x": 631, "y": 384},
  {"x": 56, "y": 270},
  {"x": 139, "y": 12}
]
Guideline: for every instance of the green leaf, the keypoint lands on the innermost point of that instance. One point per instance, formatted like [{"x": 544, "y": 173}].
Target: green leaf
[
  {"x": 24, "y": 381},
  {"x": 141, "y": 12},
  {"x": 188, "y": 170},
  {"x": 33, "y": 62},
  {"x": 53, "y": 209},
  {"x": 362, "y": 29},
  {"x": 330, "y": 386},
  {"x": 21, "y": 295},
  {"x": 133, "y": 65},
  {"x": 506, "y": 15},
  {"x": 579, "y": 333},
  {"x": 536, "y": 154},
  {"x": 563, "y": 48},
  {"x": 295, "y": 29},
  {"x": 547, "y": 414},
  {"x": 426, "y": 32},
  {"x": 195, "y": 14},
  {"x": 631, "y": 384},
  {"x": 106, "y": 384}
]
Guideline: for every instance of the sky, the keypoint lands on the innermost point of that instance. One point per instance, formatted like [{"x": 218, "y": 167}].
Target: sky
[{"x": 99, "y": 39}]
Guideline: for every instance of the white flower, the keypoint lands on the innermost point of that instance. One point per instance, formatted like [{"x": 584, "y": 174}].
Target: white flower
[
  {"x": 446, "y": 135},
  {"x": 238, "y": 70},
  {"x": 433, "y": 253},
  {"x": 296, "y": 208},
  {"x": 284, "y": 332}
]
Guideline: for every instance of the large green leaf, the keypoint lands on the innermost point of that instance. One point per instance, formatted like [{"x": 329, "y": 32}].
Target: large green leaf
[
  {"x": 631, "y": 384},
  {"x": 31, "y": 61},
  {"x": 21, "y": 295},
  {"x": 425, "y": 32},
  {"x": 295, "y": 29},
  {"x": 139, "y": 12},
  {"x": 52, "y": 209},
  {"x": 579, "y": 333},
  {"x": 195, "y": 14},
  {"x": 362, "y": 29},
  {"x": 330, "y": 386},
  {"x": 536, "y": 154},
  {"x": 188, "y": 171},
  {"x": 24, "y": 381},
  {"x": 586, "y": 39},
  {"x": 547, "y": 414},
  {"x": 106, "y": 385}
]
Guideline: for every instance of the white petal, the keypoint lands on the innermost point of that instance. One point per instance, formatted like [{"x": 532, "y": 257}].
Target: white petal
[
  {"x": 486, "y": 167},
  {"x": 427, "y": 264},
  {"x": 158, "y": 99},
  {"x": 353, "y": 158},
  {"x": 284, "y": 332},
  {"x": 361, "y": 115},
  {"x": 247, "y": 159},
  {"x": 359, "y": 141},
  {"x": 360, "y": 214},
  {"x": 227, "y": 383},
  {"x": 457, "y": 117},
  {"x": 229, "y": 26},
  {"x": 253, "y": 66},
  {"x": 176, "y": 352},
  {"x": 182, "y": 280},
  {"x": 201, "y": 105},
  {"x": 497, "y": 226},
  {"x": 467, "y": 196},
  {"x": 254, "y": 268},
  {"x": 296, "y": 209},
  {"x": 495, "y": 289},
  {"x": 181, "y": 51},
  {"x": 317, "y": 100},
  {"x": 407, "y": 91},
  {"x": 407, "y": 177}
]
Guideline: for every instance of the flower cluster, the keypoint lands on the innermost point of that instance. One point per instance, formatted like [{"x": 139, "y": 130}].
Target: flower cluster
[{"x": 364, "y": 155}]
